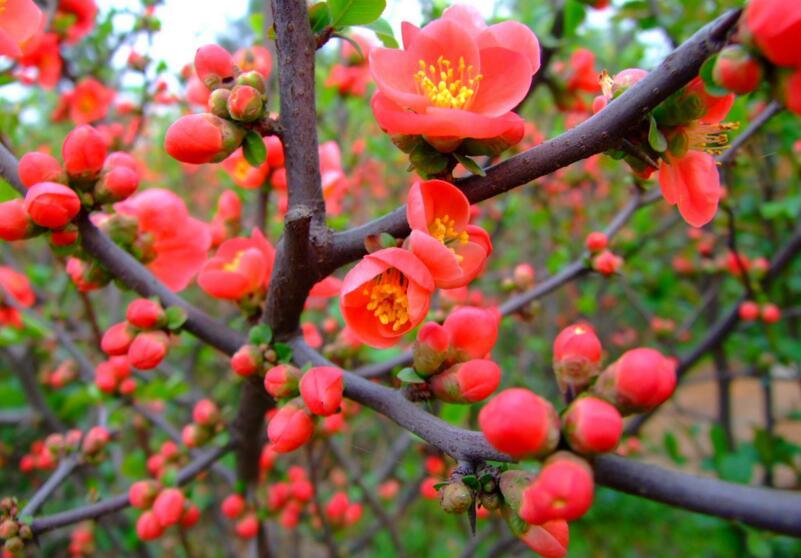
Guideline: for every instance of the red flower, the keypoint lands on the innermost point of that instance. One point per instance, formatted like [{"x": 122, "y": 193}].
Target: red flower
[
  {"x": 233, "y": 506},
  {"x": 90, "y": 101},
  {"x": 247, "y": 360},
  {"x": 81, "y": 14},
  {"x": 19, "y": 20},
  {"x": 467, "y": 382},
  {"x": 549, "y": 540},
  {"x": 596, "y": 241},
  {"x": 334, "y": 181},
  {"x": 84, "y": 152},
  {"x": 352, "y": 77},
  {"x": 142, "y": 493},
  {"x": 321, "y": 390},
  {"x": 473, "y": 331},
  {"x": 17, "y": 286},
  {"x": 576, "y": 356},
  {"x": 282, "y": 381},
  {"x": 456, "y": 77},
  {"x": 775, "y": 26},
  {"x": 213, "y": 65},
  {"x": 148, "y": 349},
  {"x": 290, "y": 428},
  {"x": 607, "y": 263},
  {"x": 563, "y": 490},
  {"x": 520, "y": 423},
  {"x": 148, "y": 527},
  {"x": 453, "y": 250},
  {"x": 592, "y": 425},
  {"x": 584, "y": 76},
  {"x": 37, "y": 167},
  {"x": 748, "y": 311},
  {"x": 770, "y": 313},
  {"x": 202, "y": 138},
  {"x": 431, "y": 348},
  {"x": 255, "y": 58},
  {"x": 145, "y": 313},
  {"x": 117, "y": 339},
  {"x": 240, "y": 267},
  {"x": 737, "y": 70},
  {"x": 386, "y": 295},
  {"x": 243, "y": 174},
  {"x": 15, "y": 223},
  {"x": 692, "y": 183},
  {"x": 169, "y": 506},
  {"x": 638, "y": 381},
  {"x": 42, "y": 53},
  {"x": 51, "y": 205}
]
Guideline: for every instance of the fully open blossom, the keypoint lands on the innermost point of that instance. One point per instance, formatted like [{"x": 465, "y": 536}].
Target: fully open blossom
[
  {"x": 243, "y": 174},
  {"x": 385, "y": 295},
  {"x": 239, "y": 268},
  {"x": 775, "y": 26},
  {"x": 254, "y": 58},
  {"x": 455, "y": 78},
  {"x": 352, "y": 75},
  {"x": 81, "y": 15},
  {"x": 89, "y": 101},
  {"x": 41, "y": 60},
  {"x": 174, "y": 244},
  {"x": 19, "y": 20},
  {"x": 453, "y": 250}
]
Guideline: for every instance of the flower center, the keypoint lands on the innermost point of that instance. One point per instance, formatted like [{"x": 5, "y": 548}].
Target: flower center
[
  {"x": 444, "y": 229},
  {"x": 388, "y": 300},
  {"x": 446, "y": 86},
  {"x": 712, "y": 138},
  {"x": 233, "y": 265},
  {"x": 241, "y": 169}
]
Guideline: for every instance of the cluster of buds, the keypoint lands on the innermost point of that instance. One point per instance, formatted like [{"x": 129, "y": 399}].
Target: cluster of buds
[
  {"x": 602, "y": 260},
  {"x": 65, "y": 373},
  {"x": 206, "y": 423},
  {"x": 113, "y": 376},
  {"x": 46, "y": 454},
  {"x": 166, "y": 461},
  {"x": 750, "y": 311},
  {"x": 13, "y": 532},
  {"x": 450, "y": 360},
  {"x": 237, "y": 100},
  {"x": 161, "y": 508},
  {"x": 340, "y": 512},
  {"x": 144, "y": 336},
  {"x": 82, "y": 541},
  {"x": 290, "y": 497},
  {"x": 257, "y": 356},
  {"x": 55, "y": 194},
  {"x": 236, "y": 508}
]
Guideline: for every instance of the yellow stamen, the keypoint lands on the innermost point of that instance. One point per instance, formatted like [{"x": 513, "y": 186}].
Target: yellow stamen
[
  {"x": 233, "y": 265},
  {"x": 388, "y": 300},
  {"x": 606, "y": 82},
  {"x": 444, "y": 229},
  {"x": 712, "y": 138},
  {"x": 445, "y": 86},
  {"x": 241, "y": 169}
]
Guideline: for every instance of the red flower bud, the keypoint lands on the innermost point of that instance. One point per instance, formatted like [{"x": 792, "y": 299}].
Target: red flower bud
[
  {"x": 596, "y": 241},
  {"x": 233, "y": 506},
  {"x": 290, "y": 428},
  {"x": 321, "y": 389},
  {"x": 638, "y": 381},
  {"x": 15, "y": 223},
  {"x": 142, "y": 493},
  {"x": 282, "y": 381},
  {"x": 736, "y": 70},
  {"x": 213, "y": 65},
  {"x": 95, "y": 440},
  {"x": 549, "y": 540},
  {"x": 117, "y": 339},
  {"x": 202, "y": 138},
  {"x": 275, "y": 152},
  {"x": 473, "y": 331},
  {"x": 520, "y": 423},
  {"x": 206, "y": 413},
  {"x": 302, "y": 490},
  {"x": 524, "y": 276},
  {"x": 145, "y": 313},
  {"x": 148, "y": 526},
  {"x": 51, "y": 205},
  {"x": 247, "y": 360},
  {"x": 247, "y": 527},
  {"x": 64, "y": 237},
  {"x": 116, "y": 185},
  {"x": 562, "y": 490},
  {"x": 35, "y": 167},
  {"x": 84, "y": 152},
  {"x": 169, "y": 506},
  {"x": 606, "y": 263},
  {"x": 748, "y": 311},
  {"x": 576, "y": 356},
  {"x": 191, "y": 516},
  {"x": 467, "y": 382},
  {"x": 592, "y": 425},
  {"x": 245, "y": 103},
  {"x": 194, "y": 435},
  {"x": 148, "y": 349},
  {"x": 430, "y": 348},
  {"x": 770, "y": 313}
]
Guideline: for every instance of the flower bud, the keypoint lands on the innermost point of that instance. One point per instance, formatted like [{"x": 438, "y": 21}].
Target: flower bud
[
  {"x": 321, "y": 389},
  {"x": 191, "y": 516},
  {"x": 253, "y": 79},
  {"x": 65, "y": 237},
  {"x": 282, "y": 381},
  {"x": 247, "y": 527},
  {"x": 84, "y": 151},
  {"x": 143, "y": 493},
  {"x": 15, "y": 223},
  {"x": 576, "y": 357},
  {"x": 8, "y": 529},
  {"x": 524, "y": 276},
  {"x": 218, "y": 103},
  {"x": 247, "y": 360},
  {"x": 770, "y": 313},
  {"x": 592, "y": 426},
  {"x": 549, "y": 540},
  {"x": 169, "y": 506},
  {"x": 193, "y": 435},
  {"x": 467, "y": 382},
  {"x": 748, "y": 311},
  {"x": 513, "y": 482},
  {"x": 148, "y": 349},
  {"x": 206, "y": 413},
  {"x": 14, "y": 545},
  {"x": 116, "y": 185},
  {"x": 563, "y": 489},
  {"x": 35, "y": 167},
  {"x": 736, "y": 70},
  {"x": 473, "y": 331},
  {"x": 290, "y": 428},
  {"x": 520, "y": 423},
  {"x": 245, "y": 103},
  {"x": 233, "y": 506},
  {"x": 430, "y": 348},
  {"x": 95, "y": 440},
  {"x": 145, "y": 314},
  {"x": 202, "y": 138},
  {"x": 638, "y": 381},
  {"x": 455, "y": 497},
  {"x": 214, "y": 65},
  {"x": 148, "y": 527},
  {"x": 606, "y": 263},
  {"x": 596, "y": 241},
  {"x": 275, "y": 152},
  {"x": 51, "y": 205},
  {"x": 117, "y": 339}
]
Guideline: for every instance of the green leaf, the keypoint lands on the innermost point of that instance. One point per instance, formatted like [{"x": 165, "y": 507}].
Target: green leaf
[
  {"x": 656, "y": 138},
  {"x": 387, "y": 240},
  {"x": 427, "y": 160},
  {"x": 176, "y": 317},
  {"x": 383, "y": 31},
  {"x": 440, "y": 485},
  {"x": 355, "y": 12},
  {"x": 409, "y": 376},
  {"x": 257, "y": 24},
  {"x": 705, "y": 73},
  {"x": 672, "y": 448},
  {"x": 261, "y": 334},
  {"x": 574, "y": 14},
  {"x": 283, "y": 351},
  {"x": 319, "y": 18},
  {"x": 471, "y": 481},
  {"x": 470, "y": 164},
  {"x": 254, "y": 150}
]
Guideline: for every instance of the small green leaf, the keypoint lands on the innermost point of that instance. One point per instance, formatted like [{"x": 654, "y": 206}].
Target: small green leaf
[
  {"x": 319, "y": 18},
  {"x": 409, "y": 376},
  {"x": 656, "y": 138},
  {"x": 261, "y": 334},
  {"x": 176, "y": 317},
  {"x": 257, "y": 23},
  {"x": 427, "y": 160},
  {"x": 439, "y": 485},
  {"x": 355, "y": 12},
  {"x": 383, "y": 31},
  {"x": 470, "y": 164},
  {"x": 254, "y": 150},
  {"x": 283, "y": 351},
  {"x": 470, "y": 481},
  {"x": 387, "y": 240}
]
